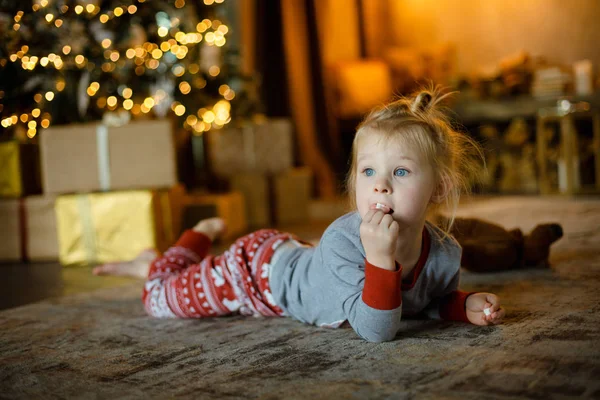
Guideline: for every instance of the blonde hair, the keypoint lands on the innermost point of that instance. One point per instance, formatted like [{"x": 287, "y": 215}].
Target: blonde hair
[{"x": 418, "y": 120}]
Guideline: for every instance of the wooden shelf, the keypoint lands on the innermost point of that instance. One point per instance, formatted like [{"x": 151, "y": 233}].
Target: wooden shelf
[{"x": 473, "y": 111}]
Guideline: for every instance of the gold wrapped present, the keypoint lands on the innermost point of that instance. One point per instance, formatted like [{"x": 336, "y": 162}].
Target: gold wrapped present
[
  {"x": 29, "y": 229},
  {"x": 19, "y": 169},
  {"x": 115, "y": 226}
]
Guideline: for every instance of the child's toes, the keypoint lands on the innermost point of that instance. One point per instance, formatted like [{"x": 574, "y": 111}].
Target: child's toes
[
  {"x": 106, "y": 269},
  {"x": 211, "y": 227},
  {"x": 135, "y": 269},
  {"x": 147, "y": 255},
  {"x": 218, "y": 225}
]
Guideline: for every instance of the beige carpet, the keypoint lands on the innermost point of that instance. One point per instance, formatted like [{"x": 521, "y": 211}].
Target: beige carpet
[{"x": 101, "y": 345}]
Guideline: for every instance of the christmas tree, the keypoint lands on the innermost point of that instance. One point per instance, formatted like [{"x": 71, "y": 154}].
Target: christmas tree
[{"x": 65, "y": 61}]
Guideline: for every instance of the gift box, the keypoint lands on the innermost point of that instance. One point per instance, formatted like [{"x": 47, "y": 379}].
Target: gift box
[
  {"x": 229, "y": 206},
  {"x": 292, "y": 192},
  {"x": 29, "y": 229},
  {"x": 259, "y": 148},
  {"x": 19, "y": 169},
  {"x": 256, "y": 191},
  {"x": 95, "y": 157},
  {"x": 115, "y": 226}
]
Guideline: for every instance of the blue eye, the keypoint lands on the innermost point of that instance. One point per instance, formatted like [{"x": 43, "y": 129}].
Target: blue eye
[
  {"x": 368, "y": 171},
  {"x": 400, "y": 172}
]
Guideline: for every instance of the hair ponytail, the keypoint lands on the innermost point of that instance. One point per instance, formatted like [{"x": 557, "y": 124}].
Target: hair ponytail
[{"x": 421, "y": 102}]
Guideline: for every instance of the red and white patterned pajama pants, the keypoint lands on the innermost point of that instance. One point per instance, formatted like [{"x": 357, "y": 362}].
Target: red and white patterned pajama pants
[{"x": 184, "y": 284}]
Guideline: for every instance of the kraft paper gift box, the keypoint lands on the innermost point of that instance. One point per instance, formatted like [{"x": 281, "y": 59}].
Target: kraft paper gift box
[
  {"x": 258, "y": 147},
  {"x": 19, "y": 169},
  {"x": 257, "y": 196},
  {"x": 293, "y": 191},
  {"x": 95, "y": 157},
  {"x": 229, "y": 206},
  {"x": 115, "y": 226},
  {"x": 29, "y": 229}
]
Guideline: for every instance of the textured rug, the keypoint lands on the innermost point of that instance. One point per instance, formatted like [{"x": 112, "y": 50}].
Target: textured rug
[{"x": 101, "y": 344}]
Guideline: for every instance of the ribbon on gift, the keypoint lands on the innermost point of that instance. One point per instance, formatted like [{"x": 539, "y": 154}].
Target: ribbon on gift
[
  {"x": 23, "y": 237},
  {"x": 103, "y": 157},
  {"x": 109, "y": 120},
  {"x": 88, "y": 233}
]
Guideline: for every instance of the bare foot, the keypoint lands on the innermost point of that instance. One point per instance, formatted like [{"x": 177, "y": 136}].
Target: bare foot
[
  {"x": 137, "y": 268},
  {"x": 211, "y": 227}
]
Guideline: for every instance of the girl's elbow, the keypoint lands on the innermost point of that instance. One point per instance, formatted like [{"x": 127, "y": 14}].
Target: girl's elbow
[{"x": 377, "y": 337}]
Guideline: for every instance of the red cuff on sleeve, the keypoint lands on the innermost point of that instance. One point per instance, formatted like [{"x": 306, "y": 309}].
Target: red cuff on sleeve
[
  {"x": 453, "y": 306},
  {"x": 197, "y": 242},
  {"x": 382, "y": 288}
]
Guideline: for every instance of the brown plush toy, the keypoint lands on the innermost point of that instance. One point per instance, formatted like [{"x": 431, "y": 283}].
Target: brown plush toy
[{"x": 488, "y": 247}]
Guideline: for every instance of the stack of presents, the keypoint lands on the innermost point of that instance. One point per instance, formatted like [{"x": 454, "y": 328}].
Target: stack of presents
[{"x": 91, "y": 193}]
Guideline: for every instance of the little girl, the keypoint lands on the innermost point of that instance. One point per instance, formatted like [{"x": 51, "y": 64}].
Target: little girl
[{"x": 373, "y": 266}]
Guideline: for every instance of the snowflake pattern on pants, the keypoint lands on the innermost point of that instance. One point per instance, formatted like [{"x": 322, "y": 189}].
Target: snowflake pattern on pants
[{"x": 183, "y": 284}]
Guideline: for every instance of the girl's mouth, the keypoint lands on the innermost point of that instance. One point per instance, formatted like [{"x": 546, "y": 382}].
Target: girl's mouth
[{"x": 382, "y": 207}]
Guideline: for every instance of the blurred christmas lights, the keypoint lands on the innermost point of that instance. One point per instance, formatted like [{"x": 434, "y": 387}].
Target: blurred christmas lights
[{"x": 147, "y": 56}]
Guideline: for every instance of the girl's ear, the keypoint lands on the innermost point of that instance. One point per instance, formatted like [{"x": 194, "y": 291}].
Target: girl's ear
[{"x": 442, "y": 190}]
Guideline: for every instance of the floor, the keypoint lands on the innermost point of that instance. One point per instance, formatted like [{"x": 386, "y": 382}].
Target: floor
[{"x": 90, "y": 337}]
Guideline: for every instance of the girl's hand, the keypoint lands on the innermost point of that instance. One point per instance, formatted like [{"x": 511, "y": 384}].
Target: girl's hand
[
  {"x": 379, "y": 235},
  {"x": 478, "y": 302}
]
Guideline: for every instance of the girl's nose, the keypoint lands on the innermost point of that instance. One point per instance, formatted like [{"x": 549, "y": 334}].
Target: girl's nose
[{"x": 382, "y": 186}]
